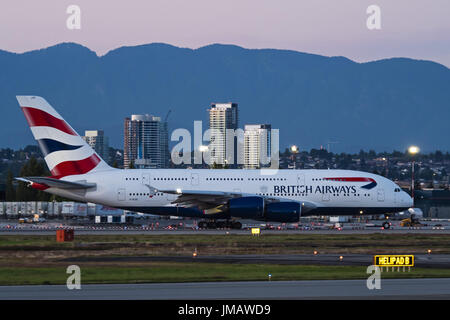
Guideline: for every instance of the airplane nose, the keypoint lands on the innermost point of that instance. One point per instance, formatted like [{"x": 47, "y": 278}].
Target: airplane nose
[{"x": 408, "y": 199}]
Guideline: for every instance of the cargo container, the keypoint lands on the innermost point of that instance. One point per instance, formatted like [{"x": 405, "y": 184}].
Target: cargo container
[
  {"x": 12, "y": 209},
  {"x": 74, "y": 209},
  {"x": 335, "y": 219},
  {"x": 50, "y": 210},
  {"x": 22, "y": 209},
  {"x": 31, "y": 208},
  {"x": 41, "y": 207}
]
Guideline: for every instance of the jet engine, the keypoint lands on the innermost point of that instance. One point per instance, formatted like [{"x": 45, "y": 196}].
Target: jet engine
[{"x": 257, "y": 208}]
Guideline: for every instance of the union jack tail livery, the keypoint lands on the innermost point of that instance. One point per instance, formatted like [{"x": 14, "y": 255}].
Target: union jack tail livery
[{"x": 65, "y": 152}]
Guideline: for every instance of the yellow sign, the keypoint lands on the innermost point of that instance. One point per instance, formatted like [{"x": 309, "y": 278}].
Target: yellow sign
[
  {"x": 394, "y": 260},
  {"x": 256, "y": 231}
]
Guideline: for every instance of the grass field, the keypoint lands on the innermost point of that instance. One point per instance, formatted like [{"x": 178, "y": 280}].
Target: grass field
[
  {"x": 235, "y": 244},
  {"x": 191, "y": 272},
  {"x": 40, "y": 260}
]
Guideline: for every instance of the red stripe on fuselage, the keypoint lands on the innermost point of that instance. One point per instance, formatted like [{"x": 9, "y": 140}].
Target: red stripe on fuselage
[
  {"x": 39, "y": 118},
  {"x": 68, "y": 168},
  {"x": 350, "y": 179}
]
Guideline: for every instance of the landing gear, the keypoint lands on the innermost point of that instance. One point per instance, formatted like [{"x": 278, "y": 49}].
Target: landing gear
[
  {"x": 236, "y": 225},
  {"x": 214, "y": 224},
  {"x": 203, "y": 225}
]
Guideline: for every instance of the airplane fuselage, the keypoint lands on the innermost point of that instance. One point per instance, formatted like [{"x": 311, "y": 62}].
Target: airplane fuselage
[{"x": 333, "y": 192}]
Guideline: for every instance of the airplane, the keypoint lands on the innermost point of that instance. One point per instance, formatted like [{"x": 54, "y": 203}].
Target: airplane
[{"x": 220, "y": 197}]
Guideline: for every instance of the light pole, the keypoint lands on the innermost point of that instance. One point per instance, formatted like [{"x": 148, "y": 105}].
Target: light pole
[
  {"x": 294, "y": 151},
  {"x": 413, "y": 150}
]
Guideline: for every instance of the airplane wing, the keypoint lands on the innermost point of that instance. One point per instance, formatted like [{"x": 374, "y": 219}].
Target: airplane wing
[
  {"x": 205, "y": 200},
  {"x": 56, "y": 183}
]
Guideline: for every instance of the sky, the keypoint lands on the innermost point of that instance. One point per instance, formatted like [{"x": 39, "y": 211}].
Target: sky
[{"x": 417, "y": 29}]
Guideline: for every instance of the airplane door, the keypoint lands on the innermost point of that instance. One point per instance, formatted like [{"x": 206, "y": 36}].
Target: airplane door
[
  {"x": 121, "y": 194},
  {"x": 380, "y": 195},
  {"x": 301, "y": 179},
  {"x": 194, "y": 179},
  {"x": 146, "y": 178},
  {"x": 326, "y": 197}
]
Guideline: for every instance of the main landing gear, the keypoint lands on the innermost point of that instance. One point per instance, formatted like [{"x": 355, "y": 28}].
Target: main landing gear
[{"x": 214, "y": 224}]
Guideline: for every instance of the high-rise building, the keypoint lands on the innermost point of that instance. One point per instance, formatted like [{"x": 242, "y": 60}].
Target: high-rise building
[
  {"x": 97, "y": 140},
  {"x": 257, "y": 143},
  {"x": 222, "y": 116},
  {"x": 146, "y": 142}
]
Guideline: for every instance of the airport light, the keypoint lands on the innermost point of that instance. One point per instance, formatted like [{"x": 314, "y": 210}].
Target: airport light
[
  {"x": 341, "y": 258},
  {"x": 294, "y": 151},
  {"x": 413, "y": 150}
]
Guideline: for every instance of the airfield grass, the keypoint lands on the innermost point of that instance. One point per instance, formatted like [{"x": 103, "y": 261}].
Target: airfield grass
[
  {"x": 174, "y": 244},
  {"x": 39, "y": 259},
  {"x": 194, "y": 272}
]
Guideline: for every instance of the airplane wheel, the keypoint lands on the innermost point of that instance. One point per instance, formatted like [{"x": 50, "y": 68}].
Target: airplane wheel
[
  {"x": 221, "y": 224},
  {"x": 236, "y": 225},
  {"x": 386, "y": 225},
  {"x": 212, "y": 225}
]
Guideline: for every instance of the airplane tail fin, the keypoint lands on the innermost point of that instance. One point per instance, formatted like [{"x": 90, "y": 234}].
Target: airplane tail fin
[{"x": 65, "y": 152}]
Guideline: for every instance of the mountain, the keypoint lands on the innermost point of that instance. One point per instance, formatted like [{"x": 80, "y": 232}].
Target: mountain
[{"x": 381, "y": 105}]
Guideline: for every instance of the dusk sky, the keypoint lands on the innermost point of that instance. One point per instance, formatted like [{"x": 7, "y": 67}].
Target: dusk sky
[{"x": 409, "y": 28}]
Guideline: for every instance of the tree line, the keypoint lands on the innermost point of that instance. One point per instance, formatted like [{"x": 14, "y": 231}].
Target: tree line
[{"x": 19, "y": 191}]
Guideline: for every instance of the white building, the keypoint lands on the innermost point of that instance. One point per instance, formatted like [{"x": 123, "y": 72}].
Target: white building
[
  {"x": 222, "y": 116},
  {"x": 257, "y": 141},
  {"x": 97, "y": 140}
]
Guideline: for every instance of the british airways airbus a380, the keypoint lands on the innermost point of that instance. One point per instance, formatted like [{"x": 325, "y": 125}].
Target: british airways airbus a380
[{"x": 221, "y": 196}]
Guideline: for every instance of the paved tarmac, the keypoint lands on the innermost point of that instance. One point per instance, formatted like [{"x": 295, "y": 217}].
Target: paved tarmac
[
  {"x": 319, "y": 289},
  {"x": 420, "y": 260}
]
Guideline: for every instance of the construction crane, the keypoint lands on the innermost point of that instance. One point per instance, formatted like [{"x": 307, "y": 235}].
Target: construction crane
[{"x": 167, "y": 115}]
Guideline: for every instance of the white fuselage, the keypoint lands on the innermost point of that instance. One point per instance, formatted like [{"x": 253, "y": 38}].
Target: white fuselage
[{"x": 332, "y": 196}]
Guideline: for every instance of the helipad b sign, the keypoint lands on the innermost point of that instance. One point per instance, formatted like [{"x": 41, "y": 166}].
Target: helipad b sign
[{"x": 394, "y": 260}]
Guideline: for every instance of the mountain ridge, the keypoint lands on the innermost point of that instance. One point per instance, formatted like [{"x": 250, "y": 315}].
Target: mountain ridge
[{"x": 383, "y": 105}]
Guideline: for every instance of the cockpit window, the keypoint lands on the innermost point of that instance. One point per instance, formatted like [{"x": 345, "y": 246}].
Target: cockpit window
[{"x": 397, "y": 190}]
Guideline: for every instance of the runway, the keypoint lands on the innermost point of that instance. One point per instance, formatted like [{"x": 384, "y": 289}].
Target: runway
[
  {"x": 420, "y": 260},
  {"x": 318, "y": 289}
]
